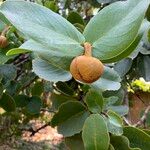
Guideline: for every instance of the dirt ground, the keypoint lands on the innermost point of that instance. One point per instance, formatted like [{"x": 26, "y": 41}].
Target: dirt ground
[{"x": 45, "y": 139}]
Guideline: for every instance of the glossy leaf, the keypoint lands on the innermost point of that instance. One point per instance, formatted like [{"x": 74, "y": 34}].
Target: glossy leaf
[
  {"x": 21, "y": 100},
  {"x": 31, "y": 15},
  {"x": 147, "y": 131},
  {"x": 57, "y": 58},
  {"x": 94, "y": 101},
  {"x": 49, "y": 72},
  {"x": 34, "y": 106},
  {"x": 95, "y": 134},
  {"x": 110, "y": 80},
  {"x": 111, "y": 147},
  {"x": 119, "y": 94},
  {"x": 16, "y": 51},
  {"x": 121, "y": 143},
  {"x": 106, "y": 1},
  {"x": 64, "y": 88},
  {"x": 7, "y": 103},
  {"x": 37, "y": 89},
  {"x": 58, "y": 99},
  {"x": 143, "y": 67},
  {"x": 1, "y": 89},
  {"x": 74, "y": 17},
  {"x": 137, "y": 138},
  {"x": 109, "y": 101},
  {"x": 54, "y": 32},
  {"x": 114, "y": 123},
  {"x": 121, "y": 110},
  {"x": 8, "y": 72},
  {"x": 70, "y": 118},
  {"x": 115, "y": 27},
  {"x": 51, "y": 5},
  {"x": 123, "y": 66},
  {"x": 145, "y": 25},
  {"x": 148, "y": 13},
  {"x": 3, "y": 19},
  {"x": 148, "y": 35},
  {"x": 74, "y": 142}
]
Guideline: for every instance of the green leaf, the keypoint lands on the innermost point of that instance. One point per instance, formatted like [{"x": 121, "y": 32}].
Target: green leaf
[
  {"x": 145, "y": 25},
  {"x": 109, "y": 101},
  {"x": 147, "y": 131},
  {"x": 123, "y": 66},
  {"x": 16, "y": 51},
  {"x": 1, "y": 89},
  {"x": 38, "y": 88},
  {"x": 148, "y": 13},
  {"x": 2, "y": 25},
  {"x": 70, "y": 118},
  {"x": 121, "y": 143},
  {"x": 52, "y": 30},
  {"x": 108, "y": 1},
  {"x": 12, "y": 87},
  {"x": 51, "y": 5},
  {"x": 119, "y": 94},
  {"x": 8, "y": 72},
  {"x": 74, "y": 142},
  {"x": 34, "y": 106},
  {"x": 64, "y": 88},
  {"x": 49, "y": 72},
  {"x": 21, "y": 100},
  {"x": 94, "y": 101},
  {"x": 75, "y": 17},
  {"x": 7, "y": 103},
  {"x": 111, "y": 147},
  {"x": 143, "y": 67},
  {"x": 114, "y": 123},
  {"x": 57, "y": 58},
  {"x": 58, "y": 99},
  {"x": 26, "y": 13},
  {"x": 95, "y": 134},
  {"x": 148, "y": 35},
  {"x": 137, "y": 138},
  {"x": 121, "y": 110},
  {"x": 3, "y": 19},
  {"x": 110, "y": 80},
  {"x": 80, "y": 27},
  {"x": 115, "y": 27}
]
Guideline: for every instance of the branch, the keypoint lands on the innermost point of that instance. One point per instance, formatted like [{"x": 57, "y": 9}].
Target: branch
[
  {"x": 33, "y": 132},
  {"x": 144, "y": 117}
]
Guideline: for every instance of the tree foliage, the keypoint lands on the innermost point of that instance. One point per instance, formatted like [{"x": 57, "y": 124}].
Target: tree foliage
[{"x": 44, "y": 36}]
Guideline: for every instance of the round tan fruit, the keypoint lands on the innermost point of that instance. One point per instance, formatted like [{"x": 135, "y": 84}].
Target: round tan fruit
[
  {"x": 3, "y": 41},
  {"x": 86, "y": 68}
]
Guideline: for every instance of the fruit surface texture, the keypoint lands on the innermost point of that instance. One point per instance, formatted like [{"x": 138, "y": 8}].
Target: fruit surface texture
[
  {"x": 86, "y": 68},
  {"x": 3, "y": 41}
]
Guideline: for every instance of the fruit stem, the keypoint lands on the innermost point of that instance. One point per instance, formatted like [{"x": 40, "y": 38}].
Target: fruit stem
[{"x": 87, "y": 49}]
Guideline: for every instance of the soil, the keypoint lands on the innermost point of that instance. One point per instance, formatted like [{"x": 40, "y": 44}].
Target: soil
[{"x": 45, "y": 139}]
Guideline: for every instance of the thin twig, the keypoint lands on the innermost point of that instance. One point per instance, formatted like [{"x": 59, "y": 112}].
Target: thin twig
[
  {"x": 144, "y": 117},
  {"x": 35, "y": 131}
]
